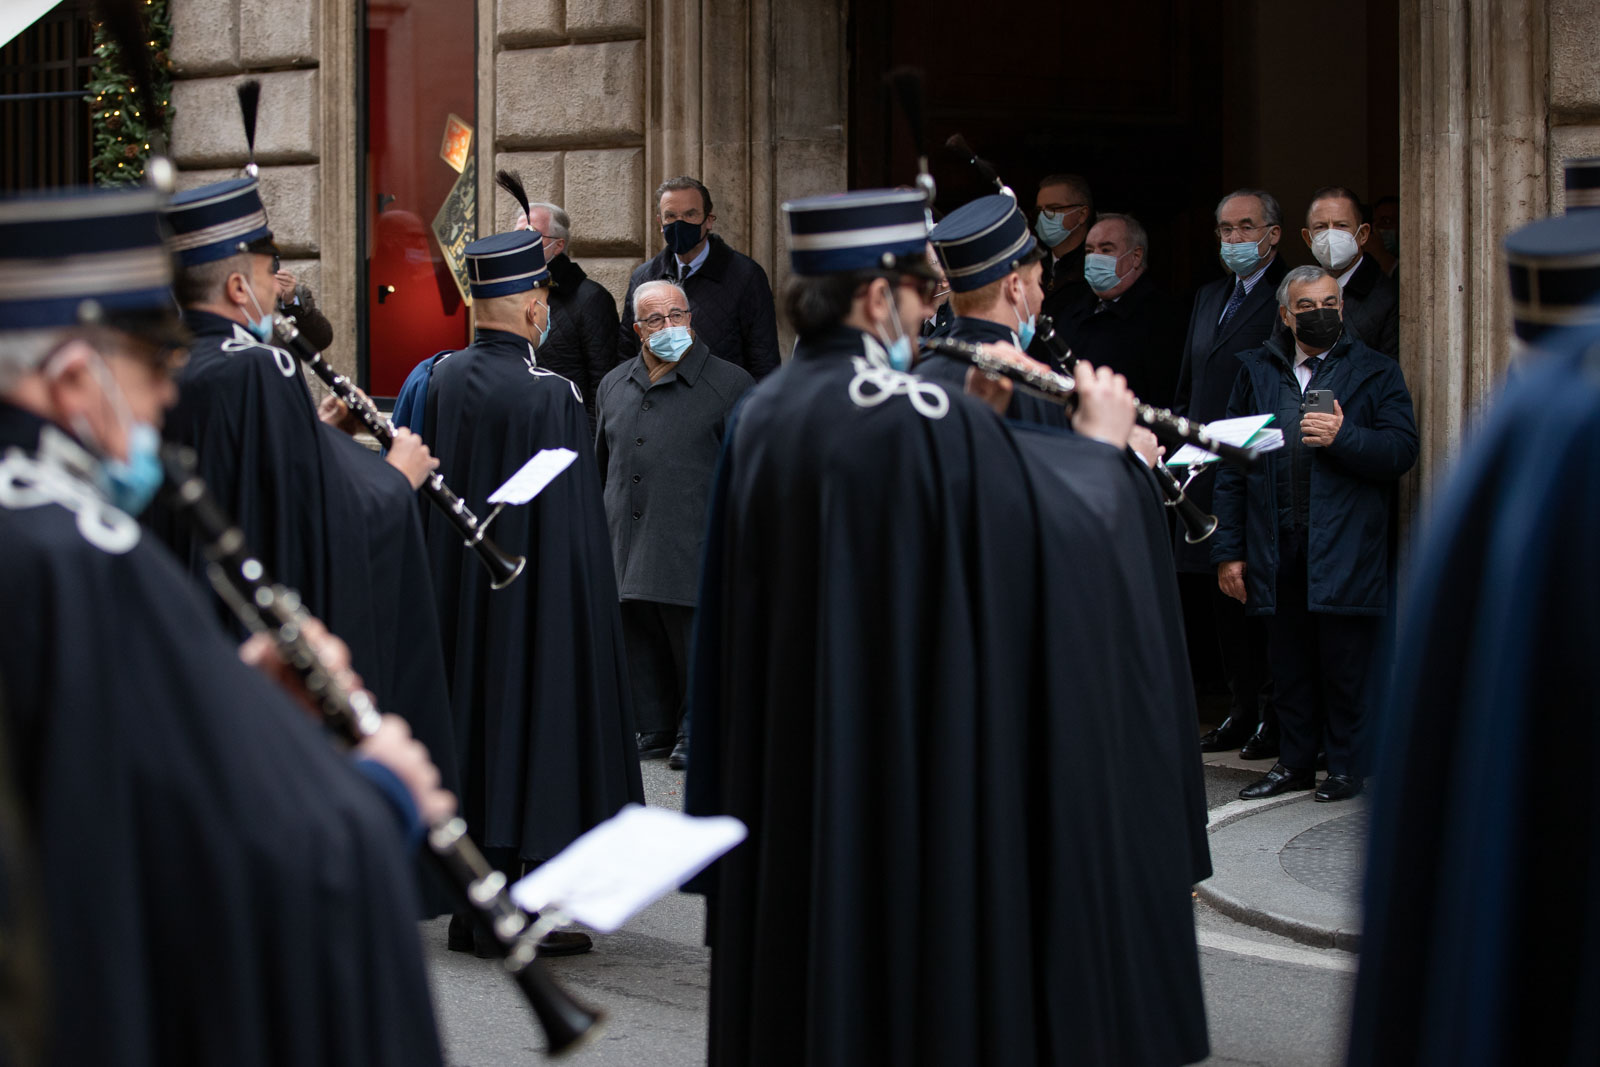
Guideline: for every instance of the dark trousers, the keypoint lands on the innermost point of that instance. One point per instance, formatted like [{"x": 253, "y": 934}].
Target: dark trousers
[
  {"x": 1320, "y": 666},
  {"x": 657, "y": 638},
  {"x": 1242, "y": 645}
]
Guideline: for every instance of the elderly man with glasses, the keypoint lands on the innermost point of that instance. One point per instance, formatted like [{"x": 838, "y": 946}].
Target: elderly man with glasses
[{"x": 661, "y": 418}]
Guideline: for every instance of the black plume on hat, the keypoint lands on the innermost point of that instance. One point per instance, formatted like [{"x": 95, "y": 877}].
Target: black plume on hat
[
  {"x": 513, "y": 185},
  {"x": 249, "y": 103}
]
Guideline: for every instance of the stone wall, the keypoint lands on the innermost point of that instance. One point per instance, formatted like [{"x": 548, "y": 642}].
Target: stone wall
[{"x": 216, "y": 44}]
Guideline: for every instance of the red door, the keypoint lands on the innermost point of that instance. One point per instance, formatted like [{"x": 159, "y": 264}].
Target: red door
[{"x": 421, "y": 85}]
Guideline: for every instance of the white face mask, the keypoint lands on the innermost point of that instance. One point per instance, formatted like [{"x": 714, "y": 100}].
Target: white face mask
[{"x": 1335, "y": 249}]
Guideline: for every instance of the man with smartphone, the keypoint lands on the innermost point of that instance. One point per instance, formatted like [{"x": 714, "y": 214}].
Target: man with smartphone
[{"x": 1302, "y": 537}]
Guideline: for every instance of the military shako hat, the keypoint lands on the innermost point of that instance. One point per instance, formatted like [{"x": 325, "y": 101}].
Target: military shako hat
[
  {"x": 1555, "y": 262},
  {"x": 1582, "y": 183},
  {"x": 871, "y": 229},
  {"x": 982, "y": 241},
  {"x": 507, "y": 263},
  {"x": 83, "y": 258},
  {"x": 219, "y": 220}
]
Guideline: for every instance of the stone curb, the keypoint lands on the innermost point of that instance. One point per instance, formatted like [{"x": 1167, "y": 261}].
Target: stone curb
[{"x": 1250, "y": 884}]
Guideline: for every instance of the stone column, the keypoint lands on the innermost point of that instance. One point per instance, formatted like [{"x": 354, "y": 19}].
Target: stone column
[
  {"x": 749, "y": 96},
  {"x": 1473, "y": 166}
]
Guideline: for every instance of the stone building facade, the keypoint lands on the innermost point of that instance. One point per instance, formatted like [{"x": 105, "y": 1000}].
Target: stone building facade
[{"x": 596, "y": 101}]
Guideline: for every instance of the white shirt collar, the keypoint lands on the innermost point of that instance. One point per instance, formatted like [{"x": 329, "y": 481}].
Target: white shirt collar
[
  {"x": 1350, "y": 270},
  {"x": 695, "y": 263}
]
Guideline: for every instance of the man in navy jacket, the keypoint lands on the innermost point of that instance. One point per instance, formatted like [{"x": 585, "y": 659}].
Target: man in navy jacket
[{"x": 1303, "y": 537}]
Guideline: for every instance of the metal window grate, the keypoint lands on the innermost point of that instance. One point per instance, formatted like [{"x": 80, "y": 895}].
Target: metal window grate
[{"x": 45, "y": 135}]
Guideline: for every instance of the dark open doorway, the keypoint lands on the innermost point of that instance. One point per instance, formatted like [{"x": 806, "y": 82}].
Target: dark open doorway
[{"x": 1164, "y": 105}]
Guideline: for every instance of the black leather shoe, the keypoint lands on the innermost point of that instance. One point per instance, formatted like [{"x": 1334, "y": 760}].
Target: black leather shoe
[
  {"x": 1225, "y": 738},
  {"x": 565, "y": 943},
  {"x": 1339, "y": 787},
  {"x": 680, "y": 754},
  {"x": 1279, "y": 780},
  {"x": 1263, "y": 744},
  {"x": 466, "y": 937},
  {"x": 654, "y": 746}
]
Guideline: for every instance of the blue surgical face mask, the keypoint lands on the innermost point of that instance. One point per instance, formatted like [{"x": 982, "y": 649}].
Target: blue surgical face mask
[
  {"x": 131, "y": 484},
  {"x": 1391, "y": 241},
  {"x": 1100, "y": 271},
  {"x": 260, "y": 328},
  {"x": 1050, "y": 229},
  {"x": 1025, "y": 330},
  {"x": 670, "y": 343},
  {"x": 682, "y": 235},
  {"x": 1242, "y": 257},
  {"x": 544, "y": 331}
]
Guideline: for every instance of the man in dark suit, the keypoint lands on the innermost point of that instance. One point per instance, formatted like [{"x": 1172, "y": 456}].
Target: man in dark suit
[
  {"x": 1066, "y": 211},
  {"x": 1231, "y": 315},
  {"x": 1126, "y": 321},
  {"x": 1301, "y": 538},
  {"x": 1336, "y": 228},
  {"x": 734, "y": 313}
]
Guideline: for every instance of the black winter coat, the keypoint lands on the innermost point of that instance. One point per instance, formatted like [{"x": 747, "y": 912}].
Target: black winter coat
[
  {"x": 1372, "y": 307},
  {"x": 582, "y": 346},
  {"x": 734, "y": 313},
  {"x": 1352, "y": 482}
]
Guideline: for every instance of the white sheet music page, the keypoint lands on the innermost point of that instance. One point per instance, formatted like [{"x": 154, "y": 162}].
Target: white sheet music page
[
  {"x": 534, "y": 475},
  {"x": 1230, "y": 432},
  {"x": 627, "y": 863}
]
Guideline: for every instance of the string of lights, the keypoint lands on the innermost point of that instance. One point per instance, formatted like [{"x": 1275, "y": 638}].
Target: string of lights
[{"x": 122, "y": 123}]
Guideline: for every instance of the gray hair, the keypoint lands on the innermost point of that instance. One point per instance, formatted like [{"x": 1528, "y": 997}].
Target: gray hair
[
  {"x": 1137, "y": 238},
  {"x": 203, "y": 283},
  {"x": 1269, "y": 205},
  {"x": 560, "y": 224},
  {"x": 1298, "y": 276},
  {"x": 651, "y": 288},
  {"x": 23, "y": 351}
]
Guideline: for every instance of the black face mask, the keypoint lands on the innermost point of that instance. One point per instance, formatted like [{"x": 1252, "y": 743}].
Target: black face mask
[
  {"x": 682, "y": 236},
  {"x": 1318, "y": 328}
]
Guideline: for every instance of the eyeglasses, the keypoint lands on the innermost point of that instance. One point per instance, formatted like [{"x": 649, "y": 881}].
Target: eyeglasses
[
  {"x": 1060, "y": 209},
  {"x": 677, "y": 316},
  {"x": 1245, "y": 232},
  {"x": 926, "y": 288}
]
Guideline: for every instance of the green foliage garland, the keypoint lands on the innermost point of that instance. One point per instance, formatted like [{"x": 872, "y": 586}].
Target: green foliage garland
[{"x": 123, "y": 123}]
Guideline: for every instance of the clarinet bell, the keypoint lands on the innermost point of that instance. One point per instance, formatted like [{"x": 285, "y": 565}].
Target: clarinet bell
[
  {"x": 567, "y": 1025},
  {"x": 502, "y": 566}
]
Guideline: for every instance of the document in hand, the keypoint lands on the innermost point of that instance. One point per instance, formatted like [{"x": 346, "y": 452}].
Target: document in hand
[
  {"x": 1247, "y": 431},
  {"x": 628, "y": 862}
]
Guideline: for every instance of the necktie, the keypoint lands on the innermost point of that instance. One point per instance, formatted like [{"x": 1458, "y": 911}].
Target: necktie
[
  {"x": 1311, "y": 364},
  {"x": 1234, "y": 300},
  {"x": 1101, "y": 306},
  {"x": 683, "y": 272}
]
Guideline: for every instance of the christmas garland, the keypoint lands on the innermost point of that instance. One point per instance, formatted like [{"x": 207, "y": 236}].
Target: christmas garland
[{"x": 123, "y": 123}]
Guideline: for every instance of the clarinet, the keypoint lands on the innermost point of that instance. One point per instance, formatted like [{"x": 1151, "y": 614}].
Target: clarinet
[
  {"x": 503, "y": 567},
  {"x": 266, "y": 607},
  {"x": 1061, "y": 389}
]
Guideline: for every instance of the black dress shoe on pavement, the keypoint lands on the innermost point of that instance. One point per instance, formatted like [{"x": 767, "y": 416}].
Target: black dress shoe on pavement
[
  {"x": 1279, "y": 780},
  {"x": 465, "y": 936},
  {"x": 1263, "y": 744},
  {"x": 1339, "y": 787},
  {"x": 1225, "y": 738},
  {"x": 680, "y": 754},
  {"x": 655, "y": 746},
  {"x": 565, "y": 943}
]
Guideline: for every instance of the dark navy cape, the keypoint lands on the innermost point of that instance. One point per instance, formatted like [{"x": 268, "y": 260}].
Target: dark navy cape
[
  {"x": 1481, "y": 932},
  {"x": 221, "y": 886},
  {"x": 537, "y": 673},
  {"x": 915, "y": 681},
  {"x": 1024, "y": 407},
  {"x": 324, "y": 514}
]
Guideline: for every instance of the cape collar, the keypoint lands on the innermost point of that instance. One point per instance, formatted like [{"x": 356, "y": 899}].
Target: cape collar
[
  {"x": 981, "y": 331},
  {"x": 566, "y": 274}
]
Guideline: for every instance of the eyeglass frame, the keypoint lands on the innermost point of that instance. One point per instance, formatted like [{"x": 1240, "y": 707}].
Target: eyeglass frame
[
  {"x": 676, "y": 316},
  {"x": 1248, "y": 231}
]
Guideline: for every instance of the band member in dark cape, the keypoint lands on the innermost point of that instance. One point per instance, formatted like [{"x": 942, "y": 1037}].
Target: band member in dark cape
[
  {"x": 327, "y": 516},
  {"x": 901, "y": 637},
  {"x": 220, "y": 884},
  {"x": 992, "y": 263},
  {"x": 537, "y": 673},
  {"x": 1481, "y": 926}
]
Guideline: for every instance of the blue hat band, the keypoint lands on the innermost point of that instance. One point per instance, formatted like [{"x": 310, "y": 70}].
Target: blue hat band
[
  {"x": 67, "y": 290},
  {"x": 508, "y": 286},
  {"x": 830, "y": 253},
  {"x": 221, "y": 240}
]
